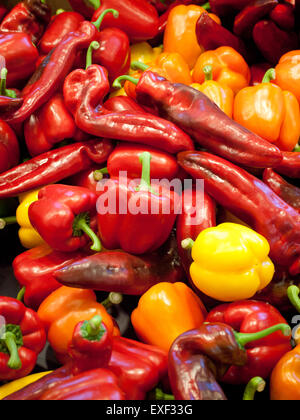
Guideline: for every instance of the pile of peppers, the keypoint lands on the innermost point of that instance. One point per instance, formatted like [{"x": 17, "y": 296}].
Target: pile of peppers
[{"x": 138, "y": 95}]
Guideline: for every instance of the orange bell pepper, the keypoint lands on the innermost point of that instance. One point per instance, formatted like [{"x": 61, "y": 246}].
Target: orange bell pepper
[
  {"x": 220, "y": 94},
  {"x": 285, "y": 378},
  {"x": 229, "y": 68},
  {"x": 180, "y": 33},
  {"x": 288, "y": 73},
  {"x": 270, "y": 112},
  {"x": 166, "y": 311},
  {"x": 61, "y": 311}
]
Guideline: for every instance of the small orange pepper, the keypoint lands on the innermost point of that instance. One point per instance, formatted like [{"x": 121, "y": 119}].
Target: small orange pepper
[
  {"x": 220, "y": 94},
  {"x": 288, "y": 73},
  {"x": 285, "y": 378},
  {"x": 63, "y": 309},
  {"x": 270, "y": 112},
  {"x": 229, "y": 68},
  {"x": 166, "y": 311},
  {"x": 180, "y": 33}
]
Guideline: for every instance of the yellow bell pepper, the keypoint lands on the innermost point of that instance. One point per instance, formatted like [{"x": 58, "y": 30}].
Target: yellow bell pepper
[
  {"x": 28, "y": 236},
  {"x": 144, "y": 53},
  {"x": 230, "y": 262},
  {"x": 18, "y": 384}
]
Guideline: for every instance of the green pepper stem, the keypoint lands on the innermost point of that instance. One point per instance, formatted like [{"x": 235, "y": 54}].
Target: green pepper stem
[
  {"x": 94, "y": 3},
  {"x": 187, "y": 243},
  {"x": 21, "y": 294},
  {"x": 93, "y": 326},
  {"x": 118, "y": 85},
  {"x": 59, "y": 11},
  {"x": 98, "y": 174},
  {"x": 206, "y": 6},
  {"x": 99, "y": 21},
  {"x": 112, "y": 299},
  {"x": 161, "y": 396},
  {"x": 244, "y": 339},
  {"x": 4, "y": 221},
  {"x": 256, "y": 384},
  {"x": 297, "y": 148},
  {"x": 14, "y": 360},
  {"x": 82, "y": 224},
  {"x": 3, "y": 91},
  {"x": 89, "y": 56},
  {"x": 138, "y": 65},
  {"x": 208, "y": 71},
  {"x": 145, "y": 159},
  {"x": 293, "y": 295},
  {"x": 269, "y": 76}
]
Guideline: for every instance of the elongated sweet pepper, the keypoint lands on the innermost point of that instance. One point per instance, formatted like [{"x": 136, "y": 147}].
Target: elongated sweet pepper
[
  {"x": 22, "y": 339},
  {"x": 16, "y": 385},
  {"x": 64, "y": 215},
  {"x": 288, "y": 72},
  {"x": 164, "y": 299},
  {"x": 270, "y": 112},
  {"x": 253, "y": 202},
  {"x": 249, "y": 316},
  {"x": 9, "y": 147},
  {"x": 199, "y": 358},
  {"x": 290, "y": 165},
  {"x": 284, "y": 15}
]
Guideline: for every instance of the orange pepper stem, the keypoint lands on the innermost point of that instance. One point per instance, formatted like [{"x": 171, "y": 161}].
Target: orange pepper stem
[
  {"x": 137, "y": 65},
  {"x": 89, "y": 56},
  {"x": 269, "y": 76},
  {"x": 293, "y": 295},
  {"x": 256, "y": 384},
  {"x": 243, "y": 339},
  {"x": 99, "y": 21},
  {"x": 118, "y": 85},
  {"x": 4, "y": 221},
  {"x": 14, "y": 360},
  {"x": 98, "y": 174},
  {"x": 207, "y": 70}
]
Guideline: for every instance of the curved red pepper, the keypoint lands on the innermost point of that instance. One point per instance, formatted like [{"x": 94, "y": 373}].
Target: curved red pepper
[
  {"x": 27, "y": 332},
  {"x": 262, "y": 355},
  {"x": 9, "y": 147},
  {"x": 284, "y": 16},
  {"x": 290, "y": 165}
]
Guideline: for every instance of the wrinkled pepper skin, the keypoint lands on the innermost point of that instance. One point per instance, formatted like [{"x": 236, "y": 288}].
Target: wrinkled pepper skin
[
  {"x": 288, "y": 192},
  {"x": 248, "y": 198},
  {"x": 290, "y": 165},
  {"x": 249, "y": 316},
  {"x": 53, "y": 166},
  {"x": 9, "y": 147},
  {"x": 34, "y": 270},
  {"x": 20, "y": 56},
  {"x": 118, "y": 271},
  {"x": 137, "y": 18},
  {"x": 288, "y": 72},
  {"x": 29, "y": 336},
  {"x": 194, "y": 112}
]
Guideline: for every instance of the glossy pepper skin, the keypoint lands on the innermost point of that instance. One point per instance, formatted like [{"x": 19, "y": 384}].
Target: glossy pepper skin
[
  {"x": 285, "y": 378},
  {"x": 210, "y": 128},
  {"x": 241, "y": 258},
  {"x": 60, "y": 26},
  {"x": 24, "y": 338},
  {"x": 48, "y": 78},
  {"x": 118, "y": 271},
  {"x": 16, "y": 385},
  {"x": 34, "y": 271},
  {"x": 288, "y": 192},
  {"x": 284, "y": 16},
  {"x": 270, "y": 112},
  {"x": 249, "y": 316},
  {"x": 137, "y": 18},
  {"x": 83, "y": 94},
  {"x": 164, "y": 299},
  {"x": 9, "y": 147},
  {"x": 288, "y": 72},
  {"x": 20, "y": 56},
  {"x": 8, "y": 104},
  {"x": 248, "y": 198},
  {"x": 30, "y": 17},
  {"x": 180, "y": 32},
  {"x": 53, "y": 166},
  {"x": 290, "y": 165},
  {"x": 228, "y": 68},
  {"x": 58, "y": 213},
  {"x": 85, "y": 7},
  {"x": 63, "y": 309}
]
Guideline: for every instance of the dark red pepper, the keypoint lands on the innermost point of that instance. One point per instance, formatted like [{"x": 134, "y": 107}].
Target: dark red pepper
[
  {"x": 3, "y": 12},
  {"x": 8, "y": 104},
  {"x": 284, "y": 16},
  {"x": 9, "y": 147},
  {"x": 258, "y": 72},
  {"x": 225, "y": 7},
  {"x": 85, "y": 7},
  {"x": 290, "y": 165}
]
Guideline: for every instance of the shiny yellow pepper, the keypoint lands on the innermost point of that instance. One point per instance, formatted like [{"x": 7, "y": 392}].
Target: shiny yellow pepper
[
  {"x": 28, "y": 236},
  {"x": 18, "y": 384},
  {"x": 230, "y": 262},
  {"x": 144, "y": 53}
]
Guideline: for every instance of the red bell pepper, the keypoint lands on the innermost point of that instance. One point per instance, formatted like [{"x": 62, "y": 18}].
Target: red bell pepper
[
  {"x": 20, "y": 56},
  {"x": 9, "y": 147},
  {"x": 252, "y": 201},
  {"x": 87, "y": 179},
  {"x": 141, "y": 229},
  {"x": 63, "y": 215},
  {"x": 288, "y": 192},
  {"x": 22, "y": 339},
  {"x": 262, "y": 355},
  {"x": 284, "y": 16},
  {"x": 49, "y": 77},
  {"x": 122, "y": 103},
  {"x": 290, "y": 165},
  {"x": 34, "y": 270},
  {"x": 61, "y": 25},
  {"x": 49, "y": 125},
  {"x": 53, "y": 166},
  {"x": 137, "y": 18},
  {"x": 30, "y": 17},
  {"x": 120, "y": 272},
  {"x": 83, "y": 94}
]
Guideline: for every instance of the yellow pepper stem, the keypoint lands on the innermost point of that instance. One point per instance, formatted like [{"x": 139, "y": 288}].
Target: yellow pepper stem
[
  {"x": 293, "y": 295},
  {"x": 256, "y": 384},
  {"x": 244, "y": 339}
]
